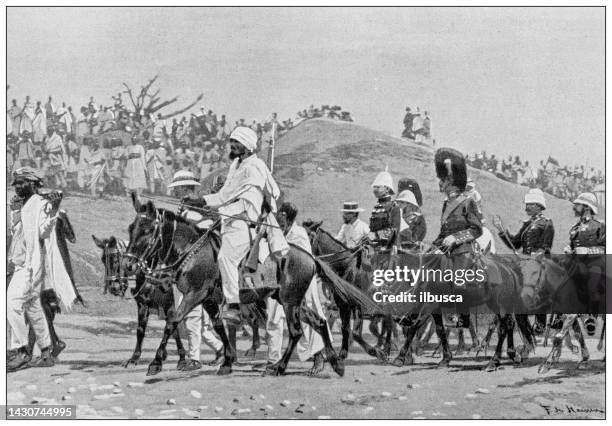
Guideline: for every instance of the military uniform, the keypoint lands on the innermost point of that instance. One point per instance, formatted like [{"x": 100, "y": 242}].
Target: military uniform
[
  {"x": 381, "y": 223},
  {"x": 461, "y": 219},
  {"x": 412, "y": 227},
  {"x": 588, "y": 236},
  {"x": 536, "y": 234}
]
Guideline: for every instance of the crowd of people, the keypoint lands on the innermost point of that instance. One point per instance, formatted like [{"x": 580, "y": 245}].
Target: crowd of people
[
  {"x": 113, "y": 149},
  {"x": 563, "y": 182}
]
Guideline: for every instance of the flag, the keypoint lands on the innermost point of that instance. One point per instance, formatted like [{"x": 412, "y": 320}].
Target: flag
[{"x": 552, "y": 161}]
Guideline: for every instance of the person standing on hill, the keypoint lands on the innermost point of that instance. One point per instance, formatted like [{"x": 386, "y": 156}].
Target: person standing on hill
[{"x": 136, "y": 168}]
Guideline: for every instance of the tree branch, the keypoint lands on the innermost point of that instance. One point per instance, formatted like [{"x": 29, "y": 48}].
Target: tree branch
[{"x": 180, "y": 111}]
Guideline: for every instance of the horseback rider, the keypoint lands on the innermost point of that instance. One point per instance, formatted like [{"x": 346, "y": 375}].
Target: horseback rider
[
  {"x": 460, "y": 222},
  {"x": 588, "y": 237},
  {"x": 248, "y": 191},
  {"x": 353, "y": 230},
  {"x": 37, "y": 219},
  {"x": 412, "y": 227},
  {"x": 382, "y": 232},
  {"x": 198, "y": 324},
  {"x": 535, "y": 237}
]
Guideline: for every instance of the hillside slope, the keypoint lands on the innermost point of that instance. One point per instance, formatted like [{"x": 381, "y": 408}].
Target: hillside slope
[{"x": 322, "y": 163}]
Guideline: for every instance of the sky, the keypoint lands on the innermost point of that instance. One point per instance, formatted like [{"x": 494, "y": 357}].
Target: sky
[{"x": 520, "y": 81}]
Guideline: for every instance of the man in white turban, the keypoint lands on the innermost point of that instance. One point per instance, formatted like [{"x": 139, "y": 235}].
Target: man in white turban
[{"x": 249, "y": 182}]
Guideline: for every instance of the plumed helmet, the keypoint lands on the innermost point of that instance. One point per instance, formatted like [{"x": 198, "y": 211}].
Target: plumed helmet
[
  {"x": 246, "y": 137},
  {"x": 289, "y": 210},
  {"x": 384, "y": 179},
  {"x": 451, "y": 163},
  {"x": 535, "y": 196},
  {"x": 413, "y": 186},
  {"x": 588, "y": 199},
  {"x": 407, "y": 196}
]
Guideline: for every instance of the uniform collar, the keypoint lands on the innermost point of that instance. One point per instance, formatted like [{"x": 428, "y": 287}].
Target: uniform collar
[
  {"x": 585, "y": 218},
  {"x": 384, "y": 199},
  {"x": 453, "y": 195}
]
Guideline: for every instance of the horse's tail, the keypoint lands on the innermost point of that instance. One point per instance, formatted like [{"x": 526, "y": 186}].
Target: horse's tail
[{"x": 344, "y": 291}]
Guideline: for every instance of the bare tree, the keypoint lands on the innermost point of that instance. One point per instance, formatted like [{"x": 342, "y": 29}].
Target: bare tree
[{"x": 148, "y": 101}]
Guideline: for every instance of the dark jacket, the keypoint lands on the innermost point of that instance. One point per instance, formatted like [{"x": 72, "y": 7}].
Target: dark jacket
[
  {"x": 536, "y": 234},
  {"x": 588, "y": 232},
  {"x": 460, "y": 218},
  {"x": 381, "y": 222}
]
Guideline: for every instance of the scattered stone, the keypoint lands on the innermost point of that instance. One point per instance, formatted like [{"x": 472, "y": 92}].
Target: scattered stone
[
  {"x": 470, "y": 396},
  {"x": 438, "y": 414},
  {"x": 203, "y": 407},
  {"x": 358, "y": 380},
  {"x": 244, "y": 410},
  {"x": 285, "y": 403},
  {"x": 58, "y": 380},
  {"x": 313, "y": 408},
  {"x": 218, "y": 409},
  {"x": 236, "y": 400},
  {"x": 323, "y": 417},
  {"x": 117, "y": 384},
  {"x": 269, "y": 407},
  {"x": 416, "y": 385},
  {"x": 416, "y": 413},
  {"x": 482, "y": 390},
  {"x": 171, "y": 401},
  {"x": 71, "y": 389},
  {"x": 31, "y": 387},
  {"x": 117, "y": 390},
  {"x": 191, "y": 413},
  {"x": 171, "y": 410},
  {"x": 252, "y": 398},
  {"x": 135, "y": 384},
  {"x": 66, "y": 398},
  {"x": 117, "y": 409},
  {"x": 368, "y": 409},
  {"x": 403, "y": 398},
  {"x": 476, "y": 416},
  {"x": 386, "y": 394},
  {"x": 262, "y": 396},
  {"x": 196, "y": 394},
  {"x": 372, "y": 373},
  {"x": 409, "y": 386},
  {"x": 139, "y": 412},
  {"x": 450, "y": 403}
]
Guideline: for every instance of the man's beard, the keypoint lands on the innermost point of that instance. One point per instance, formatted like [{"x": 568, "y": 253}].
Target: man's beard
[
  {"x": 24, "y": 191},
  {"x": 347, "y": 220}
]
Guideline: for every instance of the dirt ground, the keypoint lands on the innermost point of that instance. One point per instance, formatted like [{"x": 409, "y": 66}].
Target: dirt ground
[{"x": 89, "y": 375}]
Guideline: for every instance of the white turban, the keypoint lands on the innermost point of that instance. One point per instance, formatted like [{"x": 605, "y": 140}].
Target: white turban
[{"x": 246, "y": 137}]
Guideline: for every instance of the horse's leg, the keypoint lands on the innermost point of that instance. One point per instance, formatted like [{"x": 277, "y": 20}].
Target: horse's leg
[
  {"x": 460, "y": 342},
  {"x": 441, "y": 333},
  {"x": 527, "y": 332},
  {"x": 292, "y": 313},
  {"x": 410, "y": 331},
  {"x": 229, "y": 352},
  {"x": 584, "y": 352},
  {"x": 143, "y": 319},
  {"x": 387, "y": 332},
  {"x": 473, "y": 333},
  {"x": 510, "y": 350},
  {"x": 358, "y": 337},
  {"x": 373, "y": 327},
  {"x": 319, "y": 324},
  {"x": 182, "y": 362},
  {"x": 345, "y": 326},
  {"x": 487, "y": 339},
  {"x": 602, "y": 336},
  {"x": 555, "y": 352},
  {"x": 255, "y": 343},
  {"x": 190, "y": 301},
  {"x": 502, "y": 332}
]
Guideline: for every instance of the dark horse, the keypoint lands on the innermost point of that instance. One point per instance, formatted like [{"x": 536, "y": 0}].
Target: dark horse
[
  {"x": 194, "y": 269},
  {"x": 562, "y": 289},
  {"x": 146, "y": 295}
]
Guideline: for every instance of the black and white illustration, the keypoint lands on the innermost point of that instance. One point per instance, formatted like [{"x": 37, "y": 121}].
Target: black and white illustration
[{"x": 306, "y": 212}]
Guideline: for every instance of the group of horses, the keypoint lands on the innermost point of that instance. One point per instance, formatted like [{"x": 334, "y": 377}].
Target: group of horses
[{"x": 166, "y": 250}]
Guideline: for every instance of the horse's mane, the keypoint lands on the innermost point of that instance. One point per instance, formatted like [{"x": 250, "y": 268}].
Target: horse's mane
[{"x": 319, "y": 228}]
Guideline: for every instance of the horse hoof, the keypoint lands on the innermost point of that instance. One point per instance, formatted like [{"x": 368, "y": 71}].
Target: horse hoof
[
  {"x": 343, "y": 354},
  {"x": 273, "y": 370},
  {"x": 409, "y": 360},
  {"x": 444, "y": 363},
  {"x": 338, "y": 366},
  {"x": 154, "y": 369},
  {"x": 544, "y": 368},
  {"x": 181, "y": 364},
  {"x": 583, "y": 365},
  {"x": 129, "y": 363},
  {"x": 398, "y": 362},
  {"x": 224, "y": 370},
  {"x": 491, "y": 367},
  {"x": 164, "y": 355}
]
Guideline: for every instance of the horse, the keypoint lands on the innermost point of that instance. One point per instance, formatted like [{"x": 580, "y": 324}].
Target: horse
[
  {"x": 195, "y": 271},
  {"x": 558, "y": 289},
  {"x": 346, "y": 263}
]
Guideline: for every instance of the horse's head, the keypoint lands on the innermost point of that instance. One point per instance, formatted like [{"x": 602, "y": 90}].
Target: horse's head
[
  {"x": 142, "y": 233},
  {"x": 112, "y": 254}
]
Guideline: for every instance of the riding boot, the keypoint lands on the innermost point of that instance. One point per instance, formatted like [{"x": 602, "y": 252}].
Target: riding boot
[
  {"x": 20, "y": 360},
  {"x": 218, "y": 358},
  {"x": 44, "y": 360}
]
